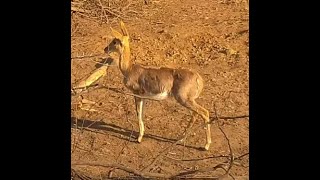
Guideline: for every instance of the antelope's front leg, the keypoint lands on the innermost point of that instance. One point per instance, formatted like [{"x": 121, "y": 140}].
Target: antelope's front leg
[{"x": 140, "y": 113}]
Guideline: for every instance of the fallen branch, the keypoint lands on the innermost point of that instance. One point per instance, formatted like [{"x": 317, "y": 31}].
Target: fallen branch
[{"x": 97, "y": 74}]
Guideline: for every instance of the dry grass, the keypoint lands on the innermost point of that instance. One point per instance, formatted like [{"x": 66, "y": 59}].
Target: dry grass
[{"x": 107, "y": 11}]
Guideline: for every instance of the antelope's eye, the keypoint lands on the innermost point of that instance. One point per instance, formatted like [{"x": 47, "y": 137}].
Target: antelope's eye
[{"x": 114, "y": 42}]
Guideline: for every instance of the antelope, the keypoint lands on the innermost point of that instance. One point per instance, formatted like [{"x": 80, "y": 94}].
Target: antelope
[{"x": 157, "y": 83}]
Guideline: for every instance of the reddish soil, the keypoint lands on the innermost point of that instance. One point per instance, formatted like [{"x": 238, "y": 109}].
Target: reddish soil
[{"x": 209, "y": 36}]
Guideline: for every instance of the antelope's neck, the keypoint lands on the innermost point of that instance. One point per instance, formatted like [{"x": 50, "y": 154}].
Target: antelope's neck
[{"x": 125, "y": 61}]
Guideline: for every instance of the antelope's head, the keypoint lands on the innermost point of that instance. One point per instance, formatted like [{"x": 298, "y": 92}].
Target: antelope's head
[{"x": 120, "y": 40}]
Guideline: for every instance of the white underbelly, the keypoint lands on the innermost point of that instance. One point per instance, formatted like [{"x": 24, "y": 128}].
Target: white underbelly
[{"x": 160, "y": 96}]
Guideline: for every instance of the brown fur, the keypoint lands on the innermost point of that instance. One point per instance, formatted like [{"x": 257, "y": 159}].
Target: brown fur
[{"x": 157, "y": 83}]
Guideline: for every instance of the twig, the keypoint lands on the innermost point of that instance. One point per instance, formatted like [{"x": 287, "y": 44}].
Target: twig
[
  {"x": 91, "y": 106},
  {"x": 111, "y": 12},
  {"x": 231, "y": 117},
  {"x": 202, "y": 170},
  {"x": 75, "y": 30},
  {"x": 121, "y": 92},
  {"x": 127, "y": 169},
  {"x": 79, "y": 175},
  {"x": 103, "y": 10},
  {"x": 225, "y": 117},
  {"x": 198, "y": 159},
  {"x": 75, "y": 9},
  {"x": 150, "y": 98},
  {"x": 162, "y": 153},
  {"x": 159, "y": 175},
  {"x": 133, "y": 11},
  {"x": 148, "y": 174},
  {"x": 76, "y": 94},
  {"x": 129, "y": 4},
  {"x": 185, "y": 134},
  {"x": 90, "y": 56},
  {"x": 130, "y": 94},
  {"x": 231, "y": 152},
  {"x": 220, "y": 165},
  {"x": 74, "y": 144},
  {"x": 228, "y": 141},
  {"x": 132, "y": 127},
  {"x": 240, "y": 157},
  {"x": 93, "y": 123},
  {"x": 104, "y": 64}
]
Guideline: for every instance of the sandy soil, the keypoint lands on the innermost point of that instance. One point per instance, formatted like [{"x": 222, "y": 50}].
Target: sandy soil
[{"x": 209, "y": 36}]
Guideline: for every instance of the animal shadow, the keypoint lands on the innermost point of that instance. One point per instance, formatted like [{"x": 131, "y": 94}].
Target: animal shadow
[{"x": 118, "y": 132}]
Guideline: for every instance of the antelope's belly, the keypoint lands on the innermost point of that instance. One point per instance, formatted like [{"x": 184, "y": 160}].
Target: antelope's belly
[{"x": 160, "y": 96}]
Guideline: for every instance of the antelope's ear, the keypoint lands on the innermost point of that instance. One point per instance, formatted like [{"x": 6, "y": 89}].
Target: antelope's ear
[
  {"x": 116, "y": 34},
  {"x": 124, "y": 29}
]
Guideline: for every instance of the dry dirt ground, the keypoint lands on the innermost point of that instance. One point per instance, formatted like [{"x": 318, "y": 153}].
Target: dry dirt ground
[{"x": 209, "y": 36}]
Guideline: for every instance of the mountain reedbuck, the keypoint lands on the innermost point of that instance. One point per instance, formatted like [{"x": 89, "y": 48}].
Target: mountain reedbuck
[{"x": 158, "y": 83}]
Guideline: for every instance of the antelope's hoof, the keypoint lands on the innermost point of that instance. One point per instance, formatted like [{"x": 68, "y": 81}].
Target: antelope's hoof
[
  {"x": 206, "y": 147},
  {"x": 139, "y": 139}
]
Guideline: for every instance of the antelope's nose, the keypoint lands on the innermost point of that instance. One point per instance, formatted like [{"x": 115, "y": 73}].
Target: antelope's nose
[{"x": 106, "y": 50}]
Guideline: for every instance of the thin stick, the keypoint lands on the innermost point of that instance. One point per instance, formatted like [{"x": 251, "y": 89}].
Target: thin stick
[
  {"x": 127, "y": 6},
  {"x": 232, "y": 117},
  {"x": 94, "y": 123},
  {"x": 198, "y": 159},
  {"x": 74, "y": 144},
  {"x": 127, "y": 169},
  {"x": 228, "y": 141},
  {"x": 150, "y": 98},
  {"x": 231, "y": 153},
  {"x": 158, "y": 175},
  {"x": 132, "y": 127},
  {"x": 75, "y": 9},
  {"x": 97, "y": 62},
  {"x": 90, "y": 56},
  {"x": 104, "y": 12},
  {"x": 185, "y": 134},
  {"x": 111, "y": 12}
]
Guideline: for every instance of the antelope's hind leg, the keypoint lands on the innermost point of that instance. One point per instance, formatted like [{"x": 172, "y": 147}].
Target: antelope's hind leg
[{"x": 204, "y": 113}]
